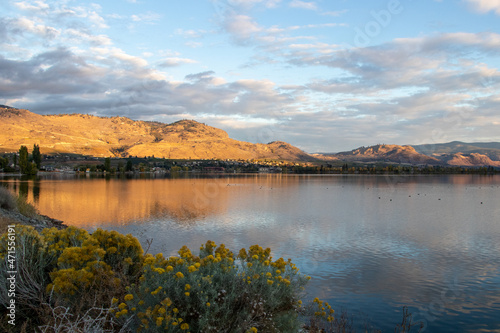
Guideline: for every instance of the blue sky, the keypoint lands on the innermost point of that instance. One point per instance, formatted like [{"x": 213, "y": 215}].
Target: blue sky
[{"x": 324, "y": 75}]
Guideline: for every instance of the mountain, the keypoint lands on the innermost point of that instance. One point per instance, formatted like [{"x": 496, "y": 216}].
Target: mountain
[
  {"x": 452, "y": 154},
  {"x": 489, "y": 149},
  {"x": 382, "y": 153},
  {"x": 472, "y": 159},
  {"x": 121, "y": 137}
]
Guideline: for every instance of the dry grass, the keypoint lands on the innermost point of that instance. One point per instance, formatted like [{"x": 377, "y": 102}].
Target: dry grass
[
  {"x": 7, "y": 199},
  {"x": 11, "y": 202},
  {"x": 5, "y": 222},
  {"x": 25, "y": 208},
  {"x": 7, "y": 202}
]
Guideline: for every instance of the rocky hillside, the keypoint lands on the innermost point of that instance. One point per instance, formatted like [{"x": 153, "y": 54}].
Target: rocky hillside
[
  {"x": 463, "y": 153},
  {"x": 121, "y": 137},
  {"x": 383, "y": 153},
  {"x": 485, "y": 154},
  {"x": 472, "y": 159}
]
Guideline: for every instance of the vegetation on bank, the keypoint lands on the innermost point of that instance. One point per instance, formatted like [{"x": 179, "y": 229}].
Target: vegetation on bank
[
  {"x": 16, "y": 204},
  {"x": 66, "y": 276},
  {"x": 30, "y": 164}
]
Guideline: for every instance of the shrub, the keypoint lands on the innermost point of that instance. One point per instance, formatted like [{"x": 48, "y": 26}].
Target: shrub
[
  {"x": 94, "y": 268},
  {"x": 215, "y": 292},
  {"x": 58, "y": 240},
  {"x": 32, "y": 264},
  {"x": 68, "y": 269},
  {"x": 123, "y": 252}
]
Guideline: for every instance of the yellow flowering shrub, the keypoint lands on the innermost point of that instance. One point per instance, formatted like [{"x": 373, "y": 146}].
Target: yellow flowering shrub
[
  {"x": 213, "y": 291},
  {"x": 57, "y": 240},
  {"x": 97, "y": 265},
  {"x": 82, "y": 271},
  {"x": 123, "y": 252},
  {"x": 217, "y": 289}
]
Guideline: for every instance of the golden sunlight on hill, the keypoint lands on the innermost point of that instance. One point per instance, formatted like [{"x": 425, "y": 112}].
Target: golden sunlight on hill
[{"x": 123, "y": 137}]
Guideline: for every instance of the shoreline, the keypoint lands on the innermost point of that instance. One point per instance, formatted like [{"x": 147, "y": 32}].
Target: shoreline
[{"x": 39, "y": 222}]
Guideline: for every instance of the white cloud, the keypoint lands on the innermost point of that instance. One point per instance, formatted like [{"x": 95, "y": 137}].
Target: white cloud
[
  {"x": 80, "y": 36},
  {"x": 335, "y": 13},
  {"x": 251, "y": 3},
  {"x": 484, "y": 6},
  {"x": 303, "y": 5},
  {"x": 190, "y": 33},
  {"x": 114, "y": 56},
  {"x": 193, "y": 45},
  {"x": 241, "y": 27},
  {"x": 148, "y": 17},
  {"x": 35, "y": 6},
  {"x": 30, "y": 26},
  {"x": 175, "y": 61}
]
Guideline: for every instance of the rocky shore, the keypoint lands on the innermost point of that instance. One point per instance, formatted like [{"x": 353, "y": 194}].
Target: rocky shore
[{"x": 39, "y": 222}]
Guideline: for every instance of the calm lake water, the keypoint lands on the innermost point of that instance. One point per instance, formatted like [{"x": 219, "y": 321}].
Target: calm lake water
[{"x": 372, "y": 244}]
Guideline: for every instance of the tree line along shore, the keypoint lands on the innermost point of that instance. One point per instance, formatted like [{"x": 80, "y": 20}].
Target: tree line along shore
[{"x": 31, "y": 163}]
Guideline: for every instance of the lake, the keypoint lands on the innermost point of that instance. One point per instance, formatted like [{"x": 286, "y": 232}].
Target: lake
[{"x": 372, "y": 244}]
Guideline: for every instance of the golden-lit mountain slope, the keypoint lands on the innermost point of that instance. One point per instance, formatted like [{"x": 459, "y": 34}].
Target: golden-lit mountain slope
[
  {"x": 383, "y": 153},
  {"x": 472, "y": 159},
  {"x": 121, "y": 137}
]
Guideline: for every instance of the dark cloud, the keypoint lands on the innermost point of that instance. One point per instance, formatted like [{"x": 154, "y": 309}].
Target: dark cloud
[
  {"x": 54, "y": 72},
  {"x": 208, "y": 75}
]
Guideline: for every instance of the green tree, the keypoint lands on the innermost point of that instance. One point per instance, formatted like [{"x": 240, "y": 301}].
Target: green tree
[
  {"x": 23, "y": 159},
  {"x": 3, "y": 162},
  {"x": 129, "y": 166},
  {"x": 107, "y": 164},
  {"x": 121, "y": 166},
  {"x": 37, "y": 156}
]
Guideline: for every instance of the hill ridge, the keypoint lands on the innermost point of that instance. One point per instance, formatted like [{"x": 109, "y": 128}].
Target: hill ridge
[
  {"x": 440, "y": 154},
  {"x": 122, "y": 137}
]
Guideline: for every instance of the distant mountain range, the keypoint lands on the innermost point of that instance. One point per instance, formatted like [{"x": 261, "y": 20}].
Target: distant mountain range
[
  {"x": 454, "y": 153},
  {"x": 189, "y": 139}
]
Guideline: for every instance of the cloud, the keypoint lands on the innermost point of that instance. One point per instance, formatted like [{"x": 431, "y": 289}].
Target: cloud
[
  {"x": 241, "y": 27},
  {"x": 245, "y": 30},
  {"x": 175, "y": 61},
  {"x": 35, "y": 6},
  {"x": 148, "y": 17},
  {"x": 25, "y": 25},
  {"x": 303, "y": 5},
  {"x": 53, "y": 59},
  {"x": 445, "y": 61},
  {"x": 484, "y": 6},
  {"x": 251, "y": 3},
  {"x": 200, "y": 76},
  {"x": 190, "y": 33},
  {"x": 54, "y": 73},
  {"x": 81, "y": 36},
  {"x": 335, "y": 13}
]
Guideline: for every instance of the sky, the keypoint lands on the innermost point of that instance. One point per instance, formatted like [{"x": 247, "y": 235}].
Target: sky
[{"x": 323, "y": 75}]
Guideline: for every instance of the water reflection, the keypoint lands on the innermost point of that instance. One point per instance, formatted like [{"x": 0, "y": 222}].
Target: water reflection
[
  {"x": 93, "y": 201},
  {"x": 372, "y": 244}
]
